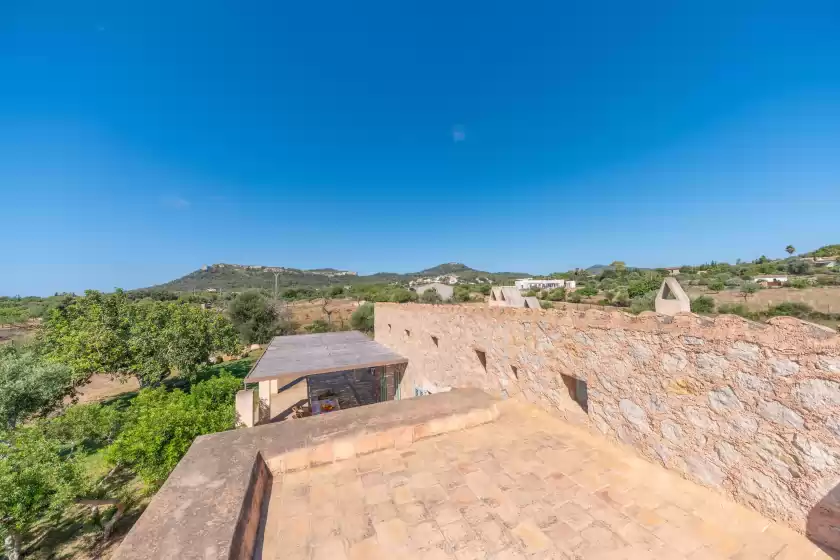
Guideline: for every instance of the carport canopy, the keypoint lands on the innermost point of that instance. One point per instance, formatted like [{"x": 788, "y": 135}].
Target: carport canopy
[{"x": 289, "y": 358}]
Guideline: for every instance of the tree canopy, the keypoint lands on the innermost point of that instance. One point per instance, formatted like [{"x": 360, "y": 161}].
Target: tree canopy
[
  {"x": 109, "y": 333},
  {"x": 31, "y": 386},
  {"x": 362, "y": 318},
  {"x": 160, "y": 425},
  {"x": 254, "y": 317},
  {"x": 36, "y": 483}
]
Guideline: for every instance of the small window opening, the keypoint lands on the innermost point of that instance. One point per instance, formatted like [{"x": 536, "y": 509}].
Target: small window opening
[
  {"x": 667, "y": 293},
  {"x": 389, "y": 327},
  {"x": 577, "y": 390},
  {"x": 482, "y": 357},
  {"x": 435, "y": 340},
  {"x": 515, "y": 371},
  {"x": 407, "y": 332}
]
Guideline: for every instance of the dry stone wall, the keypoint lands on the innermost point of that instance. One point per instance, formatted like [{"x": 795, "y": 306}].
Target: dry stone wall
[{"x": 750, "y": 409}]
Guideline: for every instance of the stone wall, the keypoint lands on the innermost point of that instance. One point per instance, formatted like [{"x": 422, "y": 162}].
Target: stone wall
[{"x": 750, "y": 409}]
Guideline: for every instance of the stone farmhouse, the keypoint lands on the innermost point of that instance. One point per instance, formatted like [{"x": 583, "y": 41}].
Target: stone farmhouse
[{"x": 540, "y": 434}]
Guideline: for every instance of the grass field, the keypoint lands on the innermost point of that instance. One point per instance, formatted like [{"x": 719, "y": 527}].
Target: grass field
[
  {"x": 305, "y": 312},
  {"x": 824, "y": 299}
]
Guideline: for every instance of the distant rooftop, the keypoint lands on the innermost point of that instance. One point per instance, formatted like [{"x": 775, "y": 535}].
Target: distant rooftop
[{"x": 288, "y": 358}]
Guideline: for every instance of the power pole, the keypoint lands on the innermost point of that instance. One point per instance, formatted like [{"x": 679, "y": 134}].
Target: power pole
[{"x": 276, "y": 275}]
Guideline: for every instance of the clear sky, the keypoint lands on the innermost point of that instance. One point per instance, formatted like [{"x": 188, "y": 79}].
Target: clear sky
[{"x": 140, "y": 140}]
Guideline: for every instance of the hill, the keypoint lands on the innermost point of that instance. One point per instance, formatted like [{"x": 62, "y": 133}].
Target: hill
[{"x": 231, "y": 277}]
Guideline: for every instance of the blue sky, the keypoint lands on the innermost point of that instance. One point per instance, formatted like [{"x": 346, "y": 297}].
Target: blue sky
[{"x": 139, "y": 141}]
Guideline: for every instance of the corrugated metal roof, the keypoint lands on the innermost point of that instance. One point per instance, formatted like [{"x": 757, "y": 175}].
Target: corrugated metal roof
[{"x": 291, "y": 357}]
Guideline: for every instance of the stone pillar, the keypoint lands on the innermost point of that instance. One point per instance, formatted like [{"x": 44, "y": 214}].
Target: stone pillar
[
  {"x": 246, "y": 408},
  {"x": 265, "y": 401}
]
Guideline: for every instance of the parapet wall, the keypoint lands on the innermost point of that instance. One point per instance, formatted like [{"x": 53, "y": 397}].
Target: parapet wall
[{"x": 750, "y": 409}]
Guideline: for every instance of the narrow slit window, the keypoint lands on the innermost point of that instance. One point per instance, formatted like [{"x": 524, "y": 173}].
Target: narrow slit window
[
  {"x": 435, "y": 340},
  {"x": 515, "y": 371},
  {"x": 577, "y": 390},
  {"x": 407, "y": 332},
  {"x": 482, "y": 357}
]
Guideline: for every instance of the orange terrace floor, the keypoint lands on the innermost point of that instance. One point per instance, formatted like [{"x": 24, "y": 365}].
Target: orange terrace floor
[{"x": 526, "y": 486}]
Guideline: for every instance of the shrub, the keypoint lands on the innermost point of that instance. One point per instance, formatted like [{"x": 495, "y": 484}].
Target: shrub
[
  {"x": 574, "y": 297},
  {"x": 621, "y": 299},
  {"x": 547, "y": 304},
  {"x": 588, "y": 291},
  {"x": 736, "y": 309},
  {"x": 160, "y": 425},
  {"x": 799, "y": 283},
  {"x": 318, "y": 326},
  {"x": 430, "y": 296},
  {"x": 362, "y": 318},
  {"x": 557, "y": 294},
  {"x": 703, "y": 304},
  {"x": 86, "y": 425},
  {"x": 792, "y": 309},
  {"x": 716, "y": 285},
  {"x": 643, "y": 303},
  {"x": 37, "y": 483},
  {"x": 639, "y": 288},
  {"x": 828, "y": 279},
  {"x": 799, "y": 267}
]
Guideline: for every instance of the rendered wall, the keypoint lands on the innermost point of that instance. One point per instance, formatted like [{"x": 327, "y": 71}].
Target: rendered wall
[{"x": 750, "y": 409}]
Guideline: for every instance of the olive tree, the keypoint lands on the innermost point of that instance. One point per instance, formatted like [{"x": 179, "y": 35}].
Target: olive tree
[
  {"x": 254, "y": 317},
  {"x": 36, "y": 483},
  {"x": 30, "y": 386}
]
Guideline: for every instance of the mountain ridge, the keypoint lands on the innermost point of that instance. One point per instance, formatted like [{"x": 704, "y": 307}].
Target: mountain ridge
[{"x": 234, "y": 277}]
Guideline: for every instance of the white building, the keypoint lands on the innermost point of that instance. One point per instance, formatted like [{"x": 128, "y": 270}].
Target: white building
[
  {"x": 528, "y": 284},
  {"x": 771, "y": 279}
]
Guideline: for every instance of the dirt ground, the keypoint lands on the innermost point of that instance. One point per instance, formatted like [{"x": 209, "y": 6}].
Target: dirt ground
[
  {"x": 104, "y": 386},
  {"x": 304, "y": 312},
  {"x": 826, "y": 299}
]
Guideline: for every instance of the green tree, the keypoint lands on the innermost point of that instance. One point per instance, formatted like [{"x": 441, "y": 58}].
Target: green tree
[
  {"x": 107, "y": 333},
  {"x": 799, "y": 267},
  {"x": 790, "y": 250},
  {"x": 716, "y": 285},
  {"x": 31, "y": 386},
  {"x": 253, "y": 317},
  {"x": 618, "y": 266},
  {"x": 85, "y": 426},
  {"x": 557, "y": 294},
  {"x": 703, "y": 304},
  {"x": 36, "y": 483},
  {"x": 362, "y": 318},
  {"x": 642, "y": 286},
  {"x": 748, "y": 289},
  {"x": 574, "y": 297},
  {"x": 588, "y": 291},
  {"x": 430, "y": 296},
  {"x": 91, "y": 333},
  {"x": 160, "y": 425}
]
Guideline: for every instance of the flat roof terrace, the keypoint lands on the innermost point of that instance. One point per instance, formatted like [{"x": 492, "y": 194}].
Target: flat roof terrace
[{"x": 289, "y": 358}]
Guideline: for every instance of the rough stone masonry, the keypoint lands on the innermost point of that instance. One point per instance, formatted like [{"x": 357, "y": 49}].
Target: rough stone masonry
[{"x": 750, "y": 409}]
